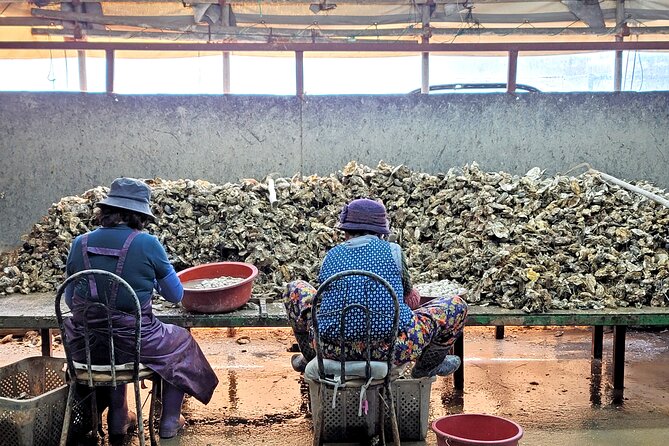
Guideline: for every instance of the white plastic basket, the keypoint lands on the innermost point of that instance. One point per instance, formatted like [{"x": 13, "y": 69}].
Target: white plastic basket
[{"x": 412, "y": 402}]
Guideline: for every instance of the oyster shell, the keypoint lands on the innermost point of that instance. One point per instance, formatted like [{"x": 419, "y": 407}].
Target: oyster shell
[{"x": 532, "y": 242}]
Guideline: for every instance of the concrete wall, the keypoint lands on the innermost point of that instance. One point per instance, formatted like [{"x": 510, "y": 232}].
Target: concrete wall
[{"x": 54, "y": 145}]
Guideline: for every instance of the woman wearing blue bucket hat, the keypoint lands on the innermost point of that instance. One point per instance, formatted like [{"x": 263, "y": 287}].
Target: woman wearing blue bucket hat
[
  {"x": 426, "y": 333},
  {"x": 120, "y": 246}
]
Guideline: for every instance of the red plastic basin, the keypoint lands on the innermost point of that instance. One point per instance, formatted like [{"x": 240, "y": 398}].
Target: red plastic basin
[
  {"x": 222, "y": 299},
  {"x": 476, "y": 430}
]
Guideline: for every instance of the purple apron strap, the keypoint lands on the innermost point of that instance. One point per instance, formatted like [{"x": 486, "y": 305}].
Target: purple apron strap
[
  {"x": 84, "y": 251},
  {"x": 105, "y": 251},
  {"x": 124, "y": 252},
  {"x": 87, "y": 264},
  {"x": 120, "y": 253},
  {"x": 121, "y": 262}
]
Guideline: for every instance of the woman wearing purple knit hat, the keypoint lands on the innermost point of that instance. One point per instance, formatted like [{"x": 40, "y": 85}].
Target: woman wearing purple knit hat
[{"x": 426, "y": 333}]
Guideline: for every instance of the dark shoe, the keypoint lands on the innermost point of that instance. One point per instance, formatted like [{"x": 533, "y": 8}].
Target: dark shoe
[
  {"x": 170, "y": 428},
  {"x": 123, "y": 428},
  {"x": 299, "y": 362},
  {"x": 119, "y": 419},
  {"x": 171, "y": 420},
  {"x": 449, "y": 365},
  {"x": 304, "y": 342},
  {"x": 435, "y": 360}
]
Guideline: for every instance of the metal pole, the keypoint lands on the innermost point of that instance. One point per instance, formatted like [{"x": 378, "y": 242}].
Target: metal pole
[
  {"x": 425, "y": 55},
  {"x": 83, "y": 80},
  {"x": 459, "y": 375},
  {"x": 226, "y": 72},
  {"x": 618, "y": 69},
  {"x": 597, "y": 341},
  {"x": 225, "y": 21},
  {"x": 109, "y": 54},
  {"x": 513, "y": 67},
  {"x": 618, "y": 65},
  {"x": 425, "y": 73},
  {"x": 630, "y": 187},
  {"x": 47, "y": 349},
  {"x": 299, "y": 73},
  {"x": 619, "y": 332}
]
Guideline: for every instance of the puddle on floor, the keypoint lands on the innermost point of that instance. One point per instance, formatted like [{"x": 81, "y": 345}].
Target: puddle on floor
[{"x": 541, "y": 378}]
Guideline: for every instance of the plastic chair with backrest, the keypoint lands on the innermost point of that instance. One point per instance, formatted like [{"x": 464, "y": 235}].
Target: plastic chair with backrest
[
  {"x": 372, "y": 377},
  {"x": 92, "y": 373}
]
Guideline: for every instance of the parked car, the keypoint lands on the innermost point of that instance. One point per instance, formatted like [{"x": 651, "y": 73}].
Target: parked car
[{"x": 478, "y": 88}]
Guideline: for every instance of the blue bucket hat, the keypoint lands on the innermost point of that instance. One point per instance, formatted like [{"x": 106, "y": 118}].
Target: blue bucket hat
[
  {"x": 364, "y": 214},
  {"x": 130, "y": 194}
]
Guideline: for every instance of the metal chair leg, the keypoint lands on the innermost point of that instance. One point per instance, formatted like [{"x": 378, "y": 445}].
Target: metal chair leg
[
  {"x": 140, "y": 421},
  {"x": 95, "y": 418},
  {"x": 318, "y": 415},
  {"x": 382, "y": 417},
  {"x": 393, "y": 418},
  {"x": 68, "y": 414},
  {"x": 155, "y": 390}
]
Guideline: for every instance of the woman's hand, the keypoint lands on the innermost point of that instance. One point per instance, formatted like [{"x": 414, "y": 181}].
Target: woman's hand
[{"x": 412, "y": 299}]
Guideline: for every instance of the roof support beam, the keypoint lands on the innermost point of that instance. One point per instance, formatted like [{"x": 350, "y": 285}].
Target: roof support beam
[
  {"x": 187, "y": 24},
  {"x": 140, "y": 21},
  {"x": 199, "y": 37},
  {"x": 262, "y": 34},
  {"x": 317, "y": 20},
  {"x": 391, "y": 47}
]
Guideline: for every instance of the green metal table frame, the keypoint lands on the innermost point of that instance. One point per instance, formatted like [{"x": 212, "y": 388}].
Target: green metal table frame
[
  {"x": 619, "y": 318},
  {"x": 37, "y": 312}
]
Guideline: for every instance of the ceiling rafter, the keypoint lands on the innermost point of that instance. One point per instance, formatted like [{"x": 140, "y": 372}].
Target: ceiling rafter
[
  {"x": 293, "y": 21},
  {"x": 267, "y": 35}
]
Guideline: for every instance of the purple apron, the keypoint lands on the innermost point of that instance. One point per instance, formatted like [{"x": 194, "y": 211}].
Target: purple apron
[{"x": 168, "y": 350}]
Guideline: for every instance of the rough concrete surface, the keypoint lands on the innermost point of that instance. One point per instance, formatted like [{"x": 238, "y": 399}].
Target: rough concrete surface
[
  {"x": 542, "y": 378},
  {"x": 58, "y": 144}
]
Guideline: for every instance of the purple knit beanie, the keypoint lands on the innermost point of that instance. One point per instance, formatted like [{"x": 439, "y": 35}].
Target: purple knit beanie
[{"x": 364, "y": 214}]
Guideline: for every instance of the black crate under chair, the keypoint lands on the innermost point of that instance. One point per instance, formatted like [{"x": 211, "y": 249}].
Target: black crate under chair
[{"x": 33, "y": 394}]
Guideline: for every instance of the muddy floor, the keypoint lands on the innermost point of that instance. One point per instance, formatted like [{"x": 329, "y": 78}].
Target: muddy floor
[{"x": 542, "y": 378}]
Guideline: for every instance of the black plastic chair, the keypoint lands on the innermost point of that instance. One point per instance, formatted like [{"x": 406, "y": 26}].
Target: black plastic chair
[
  {"x": 109, "y": 374},
  {"x": 373, "y": 377}
]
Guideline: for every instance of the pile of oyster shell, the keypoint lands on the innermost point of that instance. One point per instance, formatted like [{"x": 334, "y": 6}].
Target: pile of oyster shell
[{"x": 532, "y": 242}]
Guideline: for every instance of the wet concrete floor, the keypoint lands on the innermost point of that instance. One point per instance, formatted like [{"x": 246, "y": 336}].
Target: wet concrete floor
[{"x": 542, "y": 378}]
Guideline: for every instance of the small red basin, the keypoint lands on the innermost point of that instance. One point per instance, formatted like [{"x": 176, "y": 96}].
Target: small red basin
[
  {"x": 222, "y": 299},
  {"x": 476, "y": 430}
]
